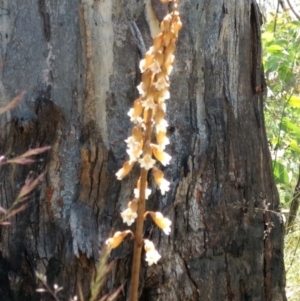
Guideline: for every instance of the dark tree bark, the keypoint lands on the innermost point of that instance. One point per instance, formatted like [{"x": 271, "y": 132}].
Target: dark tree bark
[{"x": 78, "y": 63}]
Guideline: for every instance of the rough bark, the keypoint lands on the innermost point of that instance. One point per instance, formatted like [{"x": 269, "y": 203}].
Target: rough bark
[{"x": 78, "y": 62}]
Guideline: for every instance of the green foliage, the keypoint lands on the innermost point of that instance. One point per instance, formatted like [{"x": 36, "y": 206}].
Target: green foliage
[
  {"x": 291, "y": 256},
  {"x": 281, "y": 44}
]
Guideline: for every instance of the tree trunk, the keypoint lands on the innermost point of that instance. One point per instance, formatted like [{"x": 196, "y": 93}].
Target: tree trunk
[{"x": 78, "y": 63}]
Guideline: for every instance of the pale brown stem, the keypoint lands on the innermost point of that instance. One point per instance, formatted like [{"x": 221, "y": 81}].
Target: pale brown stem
[{"x": 138, "y": 236}]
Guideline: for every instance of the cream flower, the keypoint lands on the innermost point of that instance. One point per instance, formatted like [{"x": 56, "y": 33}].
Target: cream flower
[
  {"x": 170, "y": 59},
  {"x": 137, "y": 193},
  {"x": 125, "y": 170},
  {"x": 161, "y": 126},
  {"x": 142, "y": 89},
  {"x": 169, "y": 40},
  {"x": 160, "y": 155},
  {"x": 164, "y": 186},
  {"x": 165, "y": 24},
  {"x": 161, "y": 221},
  {"x": 147, "y": 162},
  {"x": 116, "y": 240},
  {"x": 163, "y": 95},
  {"x": 131, "y": 142},
  {"x": 155, "y": 67},
  {"x": 161, "y": 83},
  {"x": 152, "y": 256},
  {"x": 146, "y": 62},
  {"x": 157, "y": 42},
  {"x": 146, "y": 82},
  {"x": 128, "y": 216},
  {"x": 160, "y": 114},
  {"x": 135, "y": 112},
  {"x": 162, "y": 183},
  {"x": 168, "y": 68},
  {"x": 162, "y": 139},
  {"x": 149, "y": 103},
  {"x": 170, "y": 48},
  {"x": 133, "y": 118},
  {"x": 135, "y": 148},
  {"x": 134, "y": 152},
  {"x": 162, "y": 106},
  {"x": 148, "y": 245}
]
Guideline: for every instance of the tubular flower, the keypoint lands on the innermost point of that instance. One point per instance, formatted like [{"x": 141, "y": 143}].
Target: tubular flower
[
  {"x": 125, "y": 170},
  {"x": 128, "y": 216},
  {"x": 163, "y": 95},
  {"x": 162, "y": 139},
  {"x": 161, "y": 126},
  {"x": 134, "y": 152},
  {"x": 116, "y": 240},
  {"x": 164, "y": 186},
  {"x": 135, "y": 144},
  {"x": 162, "y": 82},
  {"x": 160, "y": 114},
  {"x": 131, "y": 142},
  {"x": 137, "y": 191},
  {"x": 162, "y": 183},
  {"x": 147, "y": 162},
  {"x": 152, "y": 256},
  {"x": 136, "y": 111},
  {"x": 155, "y": 67},
  {"x": 149, "y": 103},
  {"x": 146, "y": 62},
  {"x": 160, "y": 155},
  {"x": 146, "y": 82},
  {"x": 161, "y": 221},
  {"x": 133, "y": 117}
]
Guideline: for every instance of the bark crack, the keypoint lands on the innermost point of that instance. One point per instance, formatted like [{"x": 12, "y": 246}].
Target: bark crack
[
  {"x": 46, "y": 19},
  {"x": 256, "y": 21},
  {"x": 268, "y": 248},
  {"x": 230, "y": 294},
  {"x": 190, "y": 277}
]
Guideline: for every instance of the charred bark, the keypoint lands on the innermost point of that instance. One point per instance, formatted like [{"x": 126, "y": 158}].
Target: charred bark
[{"x": 78, "y": 62}]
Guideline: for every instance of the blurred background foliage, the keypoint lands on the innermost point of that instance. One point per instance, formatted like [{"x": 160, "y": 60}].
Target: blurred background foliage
[{"x": 281, "y": 60}]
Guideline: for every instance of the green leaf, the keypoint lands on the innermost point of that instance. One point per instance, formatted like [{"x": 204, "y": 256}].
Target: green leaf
[
  {"x": 294, "y": 101},
  {"x": 271, "y": 64},
  {"x": 274, "y": 48},
  {"x": 291, "y": 126},
  {"x": 280, "y": 173},
  {"x": 268, "y": 36},
  {"x": 294, "y": 146}
]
